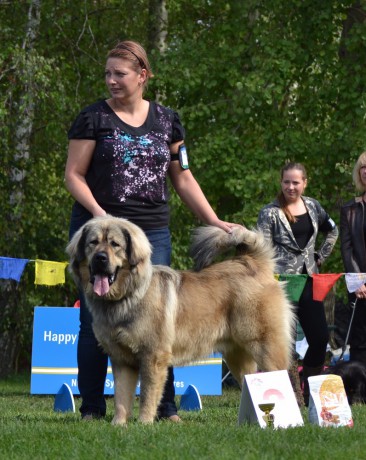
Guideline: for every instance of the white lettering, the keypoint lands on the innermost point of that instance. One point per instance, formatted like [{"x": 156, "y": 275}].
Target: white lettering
[
  {"x": 179, "y": 384},
  {"x": 74, "y": 382},
  {"x": 109, "y": 383},
  {"x": 66, "y": 339},
  {"x": 47, "y": 336},
  {"x": 69, "y": 338}
]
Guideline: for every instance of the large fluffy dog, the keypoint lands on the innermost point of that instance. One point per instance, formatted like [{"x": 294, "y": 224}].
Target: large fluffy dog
[{"x": 149, "y": 317}]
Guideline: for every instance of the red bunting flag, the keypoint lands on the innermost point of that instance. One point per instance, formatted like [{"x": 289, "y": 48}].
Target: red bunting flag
[{"x": 322, "y": 284}]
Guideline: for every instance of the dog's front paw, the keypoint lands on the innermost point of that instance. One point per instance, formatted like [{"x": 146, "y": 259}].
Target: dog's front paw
[
  {"x": 146, "y": 420},
  {"x": 119, "y": 421}
]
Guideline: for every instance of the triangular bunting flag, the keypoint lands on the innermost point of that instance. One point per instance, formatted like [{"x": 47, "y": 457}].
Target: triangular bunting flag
[
  {"x": 322, "y": 284},
  {"x": 12, "y": 268},
  {"x": 295, "y": 285},
  {"x": 50, "y": 273},
  {"x": 354, "y": 281}
]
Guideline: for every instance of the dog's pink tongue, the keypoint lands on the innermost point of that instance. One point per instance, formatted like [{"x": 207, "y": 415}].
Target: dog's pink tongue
[{"x": 101, "y": 285}]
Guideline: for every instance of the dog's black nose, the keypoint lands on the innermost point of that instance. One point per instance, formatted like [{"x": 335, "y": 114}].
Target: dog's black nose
[
  {"x": 101, "y": 257},
  {"x": 99, "y": 262}
]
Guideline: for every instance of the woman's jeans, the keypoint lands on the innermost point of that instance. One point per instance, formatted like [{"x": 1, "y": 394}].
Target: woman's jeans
[{"x": 92, "y": 362}]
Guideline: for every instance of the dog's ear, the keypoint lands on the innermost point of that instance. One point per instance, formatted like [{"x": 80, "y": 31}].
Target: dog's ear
[
  {"x": 138, "y": 248},
  {"x": 76, "y": 248},
  {"x": 133, "y": 258}
]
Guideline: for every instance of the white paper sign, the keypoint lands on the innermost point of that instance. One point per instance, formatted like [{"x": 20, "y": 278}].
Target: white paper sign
[
  {"x": 269, "y": 387},
  {"x": 328, "y": 404}
]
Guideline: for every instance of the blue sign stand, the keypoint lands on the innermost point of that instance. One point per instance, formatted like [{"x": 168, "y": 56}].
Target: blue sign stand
[
  {"x": 54, "y": 362},
  {"x": 64, "y": 400},
  {"x": 191, "y": 400}
]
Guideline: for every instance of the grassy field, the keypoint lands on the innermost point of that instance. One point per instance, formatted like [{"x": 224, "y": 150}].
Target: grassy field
[{"x": 30, "y": 429}]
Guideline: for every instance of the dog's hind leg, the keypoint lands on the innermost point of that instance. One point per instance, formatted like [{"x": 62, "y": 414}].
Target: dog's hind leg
[
  {"x": 271, "y": 354},
  {"x": 153, "y": 375},
  {"x": 125, "y": 381},
  {"x": 240, "y": 363}
]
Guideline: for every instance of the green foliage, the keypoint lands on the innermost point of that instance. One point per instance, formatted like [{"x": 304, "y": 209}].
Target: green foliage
[
  {"x": 255, "y": 83},
  {"x": 45, "y": 85}
]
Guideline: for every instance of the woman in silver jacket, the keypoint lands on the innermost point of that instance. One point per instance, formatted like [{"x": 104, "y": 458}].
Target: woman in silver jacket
[
  {"x": 353, "y": 236},
  {"x": 292, "y": 223}
]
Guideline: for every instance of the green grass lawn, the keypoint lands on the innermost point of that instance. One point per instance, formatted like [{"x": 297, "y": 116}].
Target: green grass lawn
[{"x": 30, "y": 429}]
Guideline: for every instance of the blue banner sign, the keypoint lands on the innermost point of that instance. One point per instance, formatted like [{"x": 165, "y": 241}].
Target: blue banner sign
[{"x": 55, "y": 337}]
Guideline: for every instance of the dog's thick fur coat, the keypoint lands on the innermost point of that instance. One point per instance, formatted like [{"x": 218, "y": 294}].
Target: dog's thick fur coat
[{"x": 150, "y": 317}]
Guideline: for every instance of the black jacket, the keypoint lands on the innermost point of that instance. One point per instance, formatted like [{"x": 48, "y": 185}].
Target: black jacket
[
  {"x": 352, "y": 236},
  {"x": 354, "y": 260}
]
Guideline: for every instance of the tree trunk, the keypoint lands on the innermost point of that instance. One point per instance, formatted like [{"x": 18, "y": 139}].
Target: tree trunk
[
  {"x": 158, "y": 25},
  {"x": 11, "y": 337},
  {"x": 11, "y": 293},
  {"x": 355, "y": 15},
  {"x": 157, "y": 31}
]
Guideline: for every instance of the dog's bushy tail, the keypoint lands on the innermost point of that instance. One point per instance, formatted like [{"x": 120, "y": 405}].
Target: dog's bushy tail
[{"x": 210, "y": 242}]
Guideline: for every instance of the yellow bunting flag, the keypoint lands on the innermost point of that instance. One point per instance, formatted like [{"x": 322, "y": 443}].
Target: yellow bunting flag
[
  {"x": 50, "y": 273},
  {"x": 322, "y": 284}
]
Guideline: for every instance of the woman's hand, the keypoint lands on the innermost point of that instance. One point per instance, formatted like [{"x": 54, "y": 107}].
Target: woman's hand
[
  {"x": 99, "y": 212},
  {"x": 361, "y": 292},
  {"x": 227, "y": 226}
]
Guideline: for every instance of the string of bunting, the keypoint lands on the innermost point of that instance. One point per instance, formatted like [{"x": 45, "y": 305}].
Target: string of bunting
[
  {"x": 47, "y": 273},
  {"x": 50, "y": 273}
]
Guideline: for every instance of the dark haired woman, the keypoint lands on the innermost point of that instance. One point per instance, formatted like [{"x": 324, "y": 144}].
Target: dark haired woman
[
  {"x": 292, "y": 223},
  {"x": 121, "y": 151}
]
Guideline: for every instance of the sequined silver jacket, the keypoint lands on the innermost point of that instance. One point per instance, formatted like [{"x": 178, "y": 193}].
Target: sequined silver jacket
[{"x": 290, "y": 257}]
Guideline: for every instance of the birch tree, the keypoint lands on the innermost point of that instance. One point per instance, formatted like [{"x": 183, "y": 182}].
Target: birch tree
[
  {"x": 157, "y": 26},
  {"x": 12, "y": 294}
]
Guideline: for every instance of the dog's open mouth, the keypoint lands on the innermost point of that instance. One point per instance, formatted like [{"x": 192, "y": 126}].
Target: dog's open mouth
[{"x": 102, "y": 283}]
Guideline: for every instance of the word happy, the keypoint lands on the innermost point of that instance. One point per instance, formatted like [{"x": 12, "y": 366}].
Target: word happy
[{"x": 60, "y": 339}]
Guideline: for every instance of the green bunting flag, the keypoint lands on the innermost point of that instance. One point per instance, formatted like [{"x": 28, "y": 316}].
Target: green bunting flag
[{"x": 295, "y": 285}]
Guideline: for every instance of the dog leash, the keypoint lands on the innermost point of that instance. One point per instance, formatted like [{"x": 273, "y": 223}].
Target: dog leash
[{"x": 353, "y": 306}]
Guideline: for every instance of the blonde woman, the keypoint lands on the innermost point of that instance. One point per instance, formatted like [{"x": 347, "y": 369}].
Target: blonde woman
[{"x": 353, "y": 231}]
